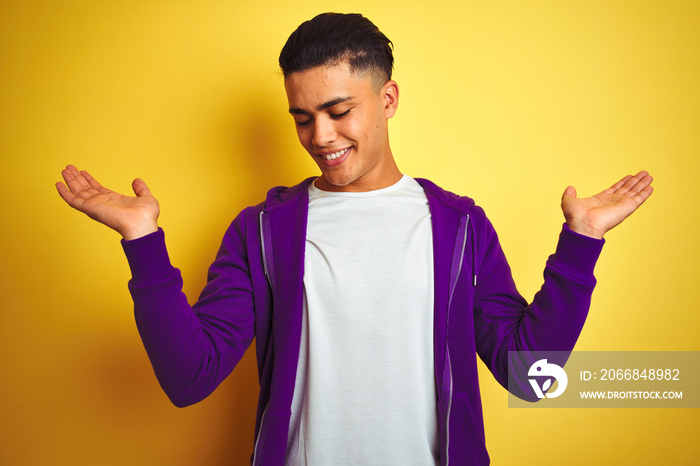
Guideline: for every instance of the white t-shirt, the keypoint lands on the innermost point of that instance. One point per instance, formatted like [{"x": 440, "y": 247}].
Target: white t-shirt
[{"x": 365, "y": 387}]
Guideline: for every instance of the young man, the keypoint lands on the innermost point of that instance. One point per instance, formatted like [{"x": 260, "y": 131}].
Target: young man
[{"x": 369, "y": 294}]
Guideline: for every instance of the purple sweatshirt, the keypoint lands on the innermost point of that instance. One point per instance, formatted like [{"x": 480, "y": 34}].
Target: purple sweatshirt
[{"x": 255, "y": 290}]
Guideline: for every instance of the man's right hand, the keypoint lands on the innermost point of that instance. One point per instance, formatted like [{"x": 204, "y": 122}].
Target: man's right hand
[{"x": 132, "y": 217}]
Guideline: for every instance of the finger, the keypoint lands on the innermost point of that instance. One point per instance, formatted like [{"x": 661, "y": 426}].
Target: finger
[
  {"x": 640, "y": 185},
  {"x": 570, "y": 191},
  {"x": 71, "y": 181},
  {"x": 617, "y": 185},
  {"x": 78, "y": 177},
  {"x": 70, "y": 198},
  {"x": 78, "y": 186},
  {"x": 140, "y": 188},
  {"x": 643, "y": 195},
  {"x": 72, "y": 169},
  {"x": 94, "y": 184},
  {"x": 635, "y": 184},
  {"x": 631, "y": 183},
  {"x": 64, "y": 192}
]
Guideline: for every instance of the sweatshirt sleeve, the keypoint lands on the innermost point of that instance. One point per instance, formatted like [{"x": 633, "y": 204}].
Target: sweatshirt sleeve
[
  {"x": 505, "y": 322},
  {"x": 192, "y": 348}
]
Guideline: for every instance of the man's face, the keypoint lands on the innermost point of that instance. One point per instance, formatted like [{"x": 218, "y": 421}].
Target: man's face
[{"x": 341, "y": 120}]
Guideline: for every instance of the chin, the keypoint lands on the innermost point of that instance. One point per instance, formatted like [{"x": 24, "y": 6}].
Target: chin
[
  {"x": 338, "y": 178},
  {"x": 337, "y": 181}
]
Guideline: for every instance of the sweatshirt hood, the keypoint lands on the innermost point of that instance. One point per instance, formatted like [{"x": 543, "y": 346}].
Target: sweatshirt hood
[
  {"x": 450, "y": 199},
  {"x": 283, "y": 194}
]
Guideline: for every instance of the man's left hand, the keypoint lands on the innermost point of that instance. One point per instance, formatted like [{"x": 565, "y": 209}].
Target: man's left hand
[{"x": 594, "y": 216}]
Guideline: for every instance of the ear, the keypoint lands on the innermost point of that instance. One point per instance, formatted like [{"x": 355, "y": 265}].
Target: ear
[{"x": 390, "y": 93}]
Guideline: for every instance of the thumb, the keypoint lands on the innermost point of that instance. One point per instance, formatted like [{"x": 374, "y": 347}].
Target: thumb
[
  {"x": 570, "y": 191},
  {"x": 140, "y": 188}
]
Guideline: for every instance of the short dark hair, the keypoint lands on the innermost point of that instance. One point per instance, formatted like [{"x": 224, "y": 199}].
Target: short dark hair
[{"x": 331, "y": 38}]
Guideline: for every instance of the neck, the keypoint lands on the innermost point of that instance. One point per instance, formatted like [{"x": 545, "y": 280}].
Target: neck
[{"x": 384, "y": 174}]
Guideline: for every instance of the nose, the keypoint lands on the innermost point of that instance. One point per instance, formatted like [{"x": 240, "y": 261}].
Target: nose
[{"x": 323, "y": 132}]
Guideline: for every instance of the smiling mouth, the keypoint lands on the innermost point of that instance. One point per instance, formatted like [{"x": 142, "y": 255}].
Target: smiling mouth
[{"x": 335, "y": 155}]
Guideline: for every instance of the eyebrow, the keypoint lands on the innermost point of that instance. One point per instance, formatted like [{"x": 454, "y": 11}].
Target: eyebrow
[{"x": 323, "y": 106}]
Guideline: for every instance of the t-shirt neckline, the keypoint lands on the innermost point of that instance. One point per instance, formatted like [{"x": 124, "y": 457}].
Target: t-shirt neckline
[{"x": 314, "y": 191}]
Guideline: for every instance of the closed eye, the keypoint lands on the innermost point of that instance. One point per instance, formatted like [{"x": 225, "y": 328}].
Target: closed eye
[{"x": 336, "y": 116}]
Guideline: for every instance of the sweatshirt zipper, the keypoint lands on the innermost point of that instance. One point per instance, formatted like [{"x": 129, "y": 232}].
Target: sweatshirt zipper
[
  {"x": 266, "y": 250},
  {"x": 457, "y": 260},
  {"x": 456, "y": 268},
  {"x": 458, "y": 256},
  {"x": 257, "y": 440},
  {"x": 265, "y": 244}
]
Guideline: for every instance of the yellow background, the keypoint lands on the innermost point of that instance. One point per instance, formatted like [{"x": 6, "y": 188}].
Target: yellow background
[{"x": 505, "y": 101}]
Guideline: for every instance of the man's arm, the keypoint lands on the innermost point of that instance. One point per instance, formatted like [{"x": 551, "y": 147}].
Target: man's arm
[
  {"x": 505, "y": 322},
  {"x": 192, "y": 348}
]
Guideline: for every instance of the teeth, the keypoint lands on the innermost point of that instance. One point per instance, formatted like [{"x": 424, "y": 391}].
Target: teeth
[{"x": 335, "y": 155}]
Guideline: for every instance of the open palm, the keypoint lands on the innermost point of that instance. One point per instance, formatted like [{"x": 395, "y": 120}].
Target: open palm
[
  {"x": 131, "y": 216},
  {"x": 595, "y": 215}
]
